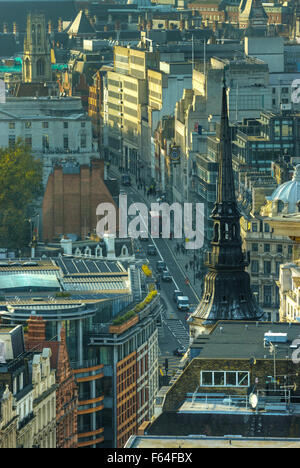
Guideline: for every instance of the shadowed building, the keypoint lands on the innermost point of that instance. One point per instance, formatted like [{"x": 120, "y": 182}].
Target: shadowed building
[{"x": 227, "y": 292}]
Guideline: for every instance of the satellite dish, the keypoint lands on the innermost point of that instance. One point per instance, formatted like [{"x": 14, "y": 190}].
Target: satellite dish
[{"x": 253, "y": 400}]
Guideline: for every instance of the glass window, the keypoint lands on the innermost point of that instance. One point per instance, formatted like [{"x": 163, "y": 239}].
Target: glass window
[
  {"x": 267, "y": 247},
  {"x": 45, "y": 125},
  {"x": 230, "y": 379},
  {"x": 279, "y": 248},
  {"x": 206, "y": 378},
  {"x": 11, "y": 140},
  {"x": 254, "y": 227},
  {"x": 267, "y": 227},
  {"x": 11, "y": 125},
  {"x": 254, "y": 247},
  {"x": 27, "y": 124},
  {"x": 243, "y": 379},
  {"x": 254, "y": 266},
  {"x": 66, "y": 142},
  {"x": 267, "y": 267},
  {"x": 66, "y": 125},
  {"x": 219, "y": 378}
]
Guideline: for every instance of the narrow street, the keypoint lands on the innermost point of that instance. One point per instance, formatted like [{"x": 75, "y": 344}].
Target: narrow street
[{"x": 174, "y": 331}]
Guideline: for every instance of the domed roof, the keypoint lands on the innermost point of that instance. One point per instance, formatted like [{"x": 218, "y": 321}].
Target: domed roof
[{"x": 289, "y": 192}]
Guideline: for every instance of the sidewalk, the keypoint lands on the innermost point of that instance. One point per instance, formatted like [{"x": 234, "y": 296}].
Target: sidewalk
[{"x": 182, "y": 256}]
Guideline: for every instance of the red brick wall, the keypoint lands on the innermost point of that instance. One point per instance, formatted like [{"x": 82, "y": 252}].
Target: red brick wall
[{"x": 70, "y": 201}]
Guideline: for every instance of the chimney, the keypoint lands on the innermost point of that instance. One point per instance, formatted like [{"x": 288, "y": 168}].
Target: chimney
[{"x": 36, "y": 330}]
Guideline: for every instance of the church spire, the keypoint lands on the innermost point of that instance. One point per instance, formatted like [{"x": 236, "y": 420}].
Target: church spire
[{"x": 227, "y": 293}]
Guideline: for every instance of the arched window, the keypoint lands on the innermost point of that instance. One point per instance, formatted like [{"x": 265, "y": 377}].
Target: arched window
[
  {"x": 27, "y": 68},
  {"x": 216, "y": 232},
  {"x": 40, "y": 67},
  {"x": 280, "y": 206},
  {"x": 39, "y": 35}
]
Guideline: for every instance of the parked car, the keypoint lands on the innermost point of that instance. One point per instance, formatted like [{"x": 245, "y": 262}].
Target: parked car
[
  {"x": 166, "y": 276},
  {"x": 176, "y": 294},
  {"x": 160, "y": 266},
  {"x": 183, "y": 303},
  {"x": 151, "y": 250},
  {"x": 179, "y": 352}
]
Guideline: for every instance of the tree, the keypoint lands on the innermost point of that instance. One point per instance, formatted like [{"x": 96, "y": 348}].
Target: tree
[{"x": 20, "y": 185}]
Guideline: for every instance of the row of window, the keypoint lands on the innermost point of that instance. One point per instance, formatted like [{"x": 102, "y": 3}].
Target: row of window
[
  {"x": 45, "y": 141},
  {"x": 267, "y": 248},
  {"x": 28, "y": 124},
  {"x": 266, "y": 267},
  {"x": 224, "y": 379}
]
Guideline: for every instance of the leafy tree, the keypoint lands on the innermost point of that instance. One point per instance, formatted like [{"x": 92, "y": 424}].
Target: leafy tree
[{"x": 20, "y": 185}]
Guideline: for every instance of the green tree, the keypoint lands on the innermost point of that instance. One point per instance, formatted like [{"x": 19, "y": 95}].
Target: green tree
[{"x": 20, "y": 185}]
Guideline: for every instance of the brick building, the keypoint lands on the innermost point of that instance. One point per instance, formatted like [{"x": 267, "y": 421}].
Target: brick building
[
  {"x": 66, "y": 392},
  {"x": 72, "y": 195}
]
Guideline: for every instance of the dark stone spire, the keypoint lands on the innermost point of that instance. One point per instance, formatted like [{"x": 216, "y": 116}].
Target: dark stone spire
[{"x": 227, "y": 292}]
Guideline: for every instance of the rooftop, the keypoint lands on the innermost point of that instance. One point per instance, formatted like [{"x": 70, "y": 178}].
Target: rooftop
[
  {"x": 242, "y": 340},
  {"x": 202, "y": 441}
]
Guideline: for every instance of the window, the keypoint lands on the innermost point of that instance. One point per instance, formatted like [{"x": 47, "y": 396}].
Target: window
[
  {"x": 279, "y": 248},
  {"x": 267, "y": 227},
  {"x": 45, "y": 142},
  {"x": 254, "y": 247},
  {"x": 83, "y": 140},
  {"x": 28, "y": 124},
  {"x": 66, "y": 125},
  {"x": 11, "y": 125},
  {"x": 254, "y": 266},
  {"x": 267, "y": 267},
  {"x": 82, "y": 124},
  {"x": 11, "y": 140},
  {"x": 224, "y": 379},
  {"x": 290, "y": 249},
  {"x": 254, "y": 227},
  {"x": 45, "y": 124},
  {"x": 268, "y": 294},
  {"x": 230, "y": 379},
  {"x": 267, "y": 248},
  {"x": 243, "y": 379},
  {"x": 66, "y": 142},
  {"x": 28, "y": 141}
]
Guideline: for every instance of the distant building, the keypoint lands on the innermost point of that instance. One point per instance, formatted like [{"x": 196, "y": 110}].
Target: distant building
[
  {"x": 71, "y": 198},
  {"x": 54, "y": 129},
  {"x": 66, "y": 389},
  {"x": 32, "y": 383}
]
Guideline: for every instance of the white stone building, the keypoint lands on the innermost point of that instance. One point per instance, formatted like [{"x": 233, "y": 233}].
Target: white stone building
[{"x": 55, "y": 129}]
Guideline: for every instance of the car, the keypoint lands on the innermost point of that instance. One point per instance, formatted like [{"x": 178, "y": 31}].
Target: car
[
  {"x": 160, "y": 266},
  {"x": 177, "y": 293},
  {"x": 166, "y": 276},
  {"x": 183, "y": 303},
  {"x": 151, "y": 250},
  {"x": 126, "y": 180},
  {"x": 179, "y": 352}
]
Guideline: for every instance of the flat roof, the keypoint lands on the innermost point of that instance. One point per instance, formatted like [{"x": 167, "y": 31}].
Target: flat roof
[
  {"x": 147, "y": 441},
  {"x": 241, "y": 340}
]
